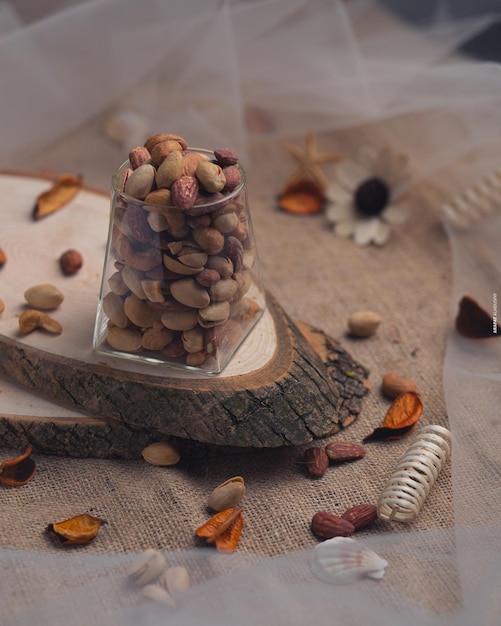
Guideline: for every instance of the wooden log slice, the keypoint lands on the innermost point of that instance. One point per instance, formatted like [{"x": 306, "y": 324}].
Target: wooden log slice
[{"x": 278, "y": 390}]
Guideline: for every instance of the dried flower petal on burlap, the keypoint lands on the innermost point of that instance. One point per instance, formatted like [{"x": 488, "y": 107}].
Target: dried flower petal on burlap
[
  {"x": 303, "y": 197},
  {"x": 78, "y": 530},
  {"x": 64, "y": 189},
  {"x": 474, "y": 322},
  {"x": 18, "y": 471},
  {"x": 367, "y": 197},
  {"x": 400, "y": 418},
  {"x": 223, "y": 529}
]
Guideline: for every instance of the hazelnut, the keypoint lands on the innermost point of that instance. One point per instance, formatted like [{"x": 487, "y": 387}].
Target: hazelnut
[{"x": 71, "y": 261}]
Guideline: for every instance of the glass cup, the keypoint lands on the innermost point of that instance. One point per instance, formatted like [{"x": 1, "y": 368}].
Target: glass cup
[{"x": 179, "y": 287}]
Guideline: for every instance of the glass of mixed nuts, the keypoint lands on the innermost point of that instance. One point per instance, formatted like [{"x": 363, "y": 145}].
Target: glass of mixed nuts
[{"x": 181, "y": 284}]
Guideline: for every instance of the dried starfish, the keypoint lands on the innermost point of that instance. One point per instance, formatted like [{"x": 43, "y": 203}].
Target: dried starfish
[{"x": 309, "y": 161}]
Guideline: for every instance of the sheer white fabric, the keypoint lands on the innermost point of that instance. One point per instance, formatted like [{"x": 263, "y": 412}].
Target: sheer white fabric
[{"x": 199, "y": 67}]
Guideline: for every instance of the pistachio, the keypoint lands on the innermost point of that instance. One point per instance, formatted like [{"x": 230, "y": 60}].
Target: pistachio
[
  {"x": 151, "y": 142},
  {"x": 180, "y": 320},
  {"x": 157, "y": 337},
  {"x": 211, "y": 176},
  {"x": 31, "y": 319},
  {"x": 161, "y": 453},
  {"x": 163, "y": 149},
  {"x": 209, "y": 239},
  {"x": 139, "y": 312},
  {"x": 44, "y": 296},
  {"x": 225, "y": 220},
  {"x": 189, "y": 292},
  {"x": 224, "y": 289},
  {"x": 160, "y": 197},
  {"x": 132, "y": 280},
  {"x": 193, "y": 340},
  {"x": 195, "y": 359},
  {"x": 124, "y": 339},
  {"x": 170, "y": 170},
  {"x": 363, "y": 323},
  {"x": 215, "y": 313},
  {"x": 147, "y": 567},
  {"x": 153, "y": 290},
  {"x": 139, "y": 183},
  {"x": 157, "y": 222},
  {"x": 117, "y": 285},
  {"x": 221, "y": 264},
  {"x": 113, "y": 308},
  {"x": 180, "y": 268},
  {"x": 227, "y": 494}
]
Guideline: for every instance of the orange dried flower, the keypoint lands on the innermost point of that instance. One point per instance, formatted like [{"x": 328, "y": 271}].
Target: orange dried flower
[
  {"x": 302, "y": 197},
  {"x": 223, "y": 529},
  {"x": 19, "y": 471},
  {"x": 400, "y": 418},
  {"x": 64, "y": 189},
  {"x": 78, "y": 530}
]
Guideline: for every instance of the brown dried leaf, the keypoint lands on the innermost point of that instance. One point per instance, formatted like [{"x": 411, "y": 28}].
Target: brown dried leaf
[
  {"x": 223, "y": 529},
  {"x": 78, "y": 530},
  {"x": 19, "y": 471},
  {"x": 473, "y": 321},
  {"x": 64, "y": 189},
  {"x": 302, "y": 197},
  {"x": 400, "y": 418}
]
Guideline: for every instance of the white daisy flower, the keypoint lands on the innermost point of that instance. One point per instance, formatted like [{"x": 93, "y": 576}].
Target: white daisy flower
[{"x": 367, "y": 197}]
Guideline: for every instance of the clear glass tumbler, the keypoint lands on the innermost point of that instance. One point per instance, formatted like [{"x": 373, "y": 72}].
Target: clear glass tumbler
[{"x": 179, "y": 287}]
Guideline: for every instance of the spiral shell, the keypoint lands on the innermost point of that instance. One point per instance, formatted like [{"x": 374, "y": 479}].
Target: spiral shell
[
  {"x": 468, "y": 206},
  {"x": 415, "y": 474}
]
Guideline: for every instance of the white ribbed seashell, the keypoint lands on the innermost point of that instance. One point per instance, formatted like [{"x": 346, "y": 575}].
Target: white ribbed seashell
[
  {"x": 414, "y": 475},
  {"x": 342, "y": 560},
  {"x": 468, "y": 206}
]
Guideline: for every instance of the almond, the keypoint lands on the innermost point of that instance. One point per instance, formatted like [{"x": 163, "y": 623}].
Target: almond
[
  {"x": 327, "y": 525},
  {"x": 361, "y": 515},
  {"x": 393, "y": 386},
  {"x": 339, "y": 451},
  {"x": 316, "y": 461},
  {"x": 184, "y": 192}
]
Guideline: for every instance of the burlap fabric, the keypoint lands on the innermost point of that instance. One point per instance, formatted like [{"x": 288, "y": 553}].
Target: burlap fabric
[{"x": 319, "y": 279}]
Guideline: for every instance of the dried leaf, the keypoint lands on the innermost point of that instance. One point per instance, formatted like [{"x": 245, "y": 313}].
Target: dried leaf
[
  {"x": 302, "y": 197},
  {"x": 400, "y": 418},
  {"x": 474, "y": 322},
  {"x": 223, "y": 529},
  {"x": 78, "y": 530},
  {"x": 19, "y": 471},
  {"x": 64, "y": 189}
]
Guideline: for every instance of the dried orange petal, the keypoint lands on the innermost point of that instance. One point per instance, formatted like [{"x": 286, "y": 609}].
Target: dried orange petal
[
  {"x": 78, "y": 530},
  {"x": 19, "y": 471},
  {"x": 223, "y": 529},
  {"x": 64, "y": 189},
  {"x": 474, "y": 322},
  {"x": 303, "y": 197},
  {"x": 400, "y": 418}
]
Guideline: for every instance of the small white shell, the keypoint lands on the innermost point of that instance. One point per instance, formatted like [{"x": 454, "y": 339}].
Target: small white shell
[
  {"x": 159, "y": 594},
  {"x": 175, "y": 578},
  {"x": 343, "y": 560},
  {"x": 147, "y": 567}
]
